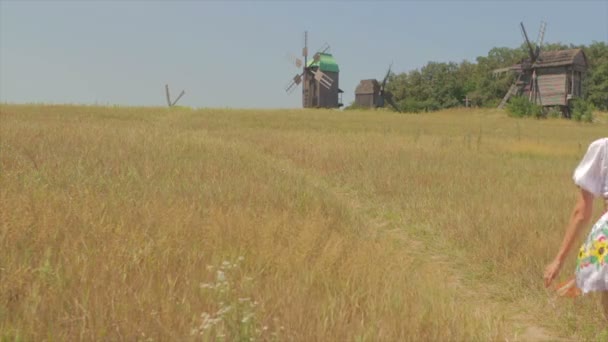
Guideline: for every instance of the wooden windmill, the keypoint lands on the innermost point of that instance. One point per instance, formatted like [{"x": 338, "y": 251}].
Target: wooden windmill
[
  {"x": 548, "y": 78},
  {"x": 319, "y": 78},
  {"x": 373, "y": 94},
  {"x": 526, "y": 82}
]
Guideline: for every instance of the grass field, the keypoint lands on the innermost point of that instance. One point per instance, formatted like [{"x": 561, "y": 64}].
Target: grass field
[{"x": 157, "y": 224}]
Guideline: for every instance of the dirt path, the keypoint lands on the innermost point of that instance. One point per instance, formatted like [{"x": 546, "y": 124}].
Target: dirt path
[{"x": 520, "y": 323}]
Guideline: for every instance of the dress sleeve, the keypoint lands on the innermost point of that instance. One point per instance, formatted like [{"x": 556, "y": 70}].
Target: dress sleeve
[{"x": 591, "y": 171}]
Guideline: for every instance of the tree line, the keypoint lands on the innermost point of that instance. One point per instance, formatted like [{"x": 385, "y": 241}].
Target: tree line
[{"x": 439, "y": 85}]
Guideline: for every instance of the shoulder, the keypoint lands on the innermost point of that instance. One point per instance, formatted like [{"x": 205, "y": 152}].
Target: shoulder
[
  {"x": 599, "y": 144},
  {"x": 597, "y": 150},
  {"x": 591, "y": 173}
]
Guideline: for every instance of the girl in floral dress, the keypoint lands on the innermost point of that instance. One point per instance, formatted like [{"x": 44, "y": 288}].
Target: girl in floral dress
[{"x": 591, "y": 176}]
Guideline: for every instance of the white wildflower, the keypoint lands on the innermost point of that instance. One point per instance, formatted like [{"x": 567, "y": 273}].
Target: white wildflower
[
  {"x": 224, "y": 310},
  {"x": 247, "y": 318}
]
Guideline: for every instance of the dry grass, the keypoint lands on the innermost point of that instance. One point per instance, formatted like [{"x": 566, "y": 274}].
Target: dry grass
[{"x": 145, "y": 223}]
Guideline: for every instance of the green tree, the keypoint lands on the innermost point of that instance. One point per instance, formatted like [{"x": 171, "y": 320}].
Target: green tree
[{"x": 595, "y": 85}]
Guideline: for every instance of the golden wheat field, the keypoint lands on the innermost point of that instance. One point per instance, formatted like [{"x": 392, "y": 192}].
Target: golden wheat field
[{"x": 158, "y": 224}]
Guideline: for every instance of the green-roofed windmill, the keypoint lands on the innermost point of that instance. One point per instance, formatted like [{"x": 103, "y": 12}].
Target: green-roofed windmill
[{"x": 319, "y": 78}]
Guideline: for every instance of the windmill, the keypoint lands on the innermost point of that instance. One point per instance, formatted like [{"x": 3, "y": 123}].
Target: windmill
[
  {"x": 526, "y": 82},
  {"x": 169, "y": 103},
  {"x": 371, "y": 93},
  {"x": 319, "y": 78}
]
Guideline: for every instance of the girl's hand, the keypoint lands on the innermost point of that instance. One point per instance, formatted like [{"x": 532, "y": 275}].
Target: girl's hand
[{"x": 551, "y": 271}]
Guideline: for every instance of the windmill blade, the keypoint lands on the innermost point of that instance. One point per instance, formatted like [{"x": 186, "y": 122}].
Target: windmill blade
[
  {"x": 388, "y": 73},
  {"x": 541, "y": 34},
  {"x": 177, "y": 99},
  {"x": 316, "y": 58},
  {"x": 388, "y": 97},
  {"x": 525, "y": 34},
  {"x": 290, "y": 87},
  {"x": 500, "y": 71},
  {"x": 540, "y": 37},
  {"x": 323, "y": 79},
  {"x": 297, "y": 79},
  {"x": 295, "y": 60},
  {"x": 323, "y": 48},
  {"x": 513, "y": 68},
  {"x": 168, "y": 96}
]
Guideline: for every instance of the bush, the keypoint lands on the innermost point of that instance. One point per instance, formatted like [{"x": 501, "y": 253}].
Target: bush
[
  {"x": 519, "y": 106},
  {"x": 354, "y": 106},
  {"x": 414, "y": 106},
  {"x": 582, "y": 110},
  {"x": 554, "y": 112},
  {"x": 491, "y": 103}
]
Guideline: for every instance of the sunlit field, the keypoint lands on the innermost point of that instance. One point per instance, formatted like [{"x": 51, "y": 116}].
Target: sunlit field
[{"x": 305, "y": 225}]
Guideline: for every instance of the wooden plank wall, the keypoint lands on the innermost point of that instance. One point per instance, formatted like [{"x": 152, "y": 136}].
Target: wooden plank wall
[
  {"x": 552, "y": 88},
  {"x": 365, "y": 100}
]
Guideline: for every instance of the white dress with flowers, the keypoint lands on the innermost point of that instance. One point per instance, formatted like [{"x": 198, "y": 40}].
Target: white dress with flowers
[{"x": 592, "y": 263}]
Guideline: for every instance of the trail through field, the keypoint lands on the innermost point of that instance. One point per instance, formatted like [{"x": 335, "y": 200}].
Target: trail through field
[{"x": 519, "y": 317}]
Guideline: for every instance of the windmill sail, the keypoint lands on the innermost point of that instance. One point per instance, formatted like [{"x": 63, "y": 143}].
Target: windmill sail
[
  {"x": 540, "y": 37},
  {"x": 386, "y": 95},
  {"x": 323, "y": 79},
  {"x": 530, "y": 49},
  {"x": 297, "y": 79},
  {"x": 178, "y": 97}
]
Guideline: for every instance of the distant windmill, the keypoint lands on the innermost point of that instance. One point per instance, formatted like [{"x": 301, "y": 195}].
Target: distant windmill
[
  {"x": 548, "y": 78},
  {"x": 169, "y": 103},
  {"x": 526, "y": 82},
  {"x": 319, "y": 78},
  {"x": 371, "y": 93}
]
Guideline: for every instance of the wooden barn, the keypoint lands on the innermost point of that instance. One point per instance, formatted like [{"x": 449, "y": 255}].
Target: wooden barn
[
  {"x": 367, "y": 94},
  {"x": 314, "y": 95}
]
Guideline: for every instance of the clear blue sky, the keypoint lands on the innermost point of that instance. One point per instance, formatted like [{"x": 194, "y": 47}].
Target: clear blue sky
[{"x": 233, "y": 54}]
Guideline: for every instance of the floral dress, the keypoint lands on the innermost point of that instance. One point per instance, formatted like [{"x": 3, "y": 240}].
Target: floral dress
[{"x": 592, "y": 263}]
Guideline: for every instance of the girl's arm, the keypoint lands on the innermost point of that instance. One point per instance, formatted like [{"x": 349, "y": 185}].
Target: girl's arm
[{"x": 578, "y": 219}]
